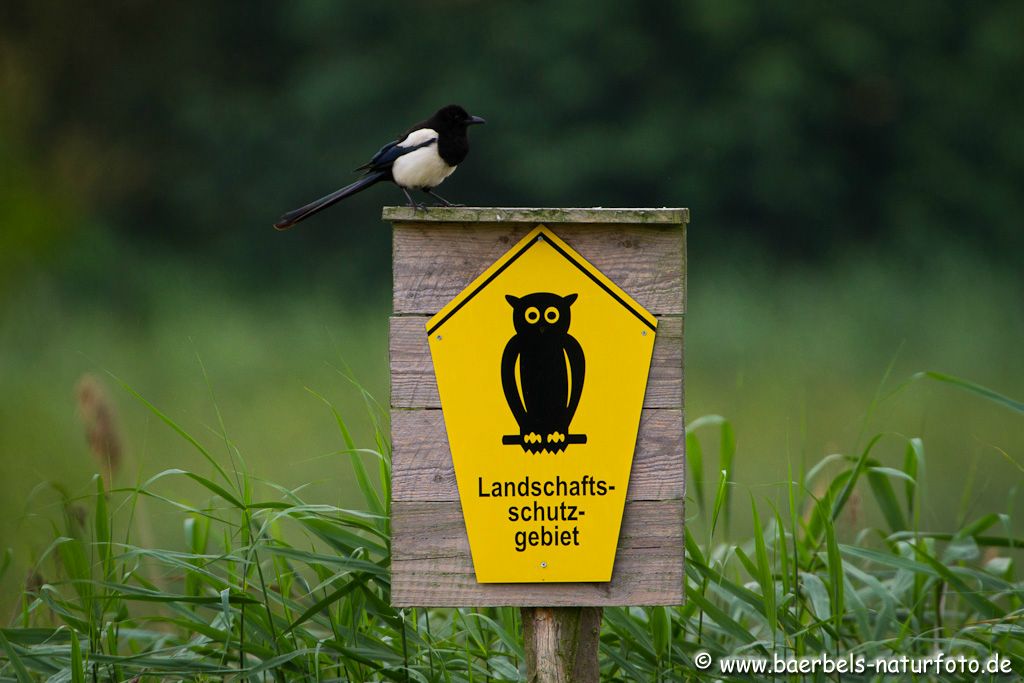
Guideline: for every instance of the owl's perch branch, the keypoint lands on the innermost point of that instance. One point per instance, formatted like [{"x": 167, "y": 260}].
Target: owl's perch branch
[{"x": 517, "y": 440}]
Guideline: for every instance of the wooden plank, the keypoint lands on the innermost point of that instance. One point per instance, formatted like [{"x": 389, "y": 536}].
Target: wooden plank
[
  {"x": 413, "y": 384},
  {"x": 431, "y": 564},
  {"x": 513, "y": 214},
  {"x": 422, "y": 461},
  {"x": 434, "y": 262}
]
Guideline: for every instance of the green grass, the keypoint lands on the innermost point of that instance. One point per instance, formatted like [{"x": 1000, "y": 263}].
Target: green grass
[
  {"x": 260, "y": 355},
  {"x": 271, "y": 586}
]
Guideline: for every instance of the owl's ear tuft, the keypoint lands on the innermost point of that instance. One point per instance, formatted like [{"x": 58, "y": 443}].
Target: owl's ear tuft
[
  {"x": 569, "y": 299},
  {"x": 512, "y": 300}
]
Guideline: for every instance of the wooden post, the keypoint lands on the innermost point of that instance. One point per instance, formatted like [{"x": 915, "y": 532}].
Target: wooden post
[
  {"x": 437, "y": 254},
  {"x": 561, "y": 644}
]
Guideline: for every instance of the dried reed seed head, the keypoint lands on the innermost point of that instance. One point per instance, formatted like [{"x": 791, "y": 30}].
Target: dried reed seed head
[
  {"x": 853, "y": 506},
  {"x": 34, "y": 582},
  {"x": 76, "y": 515},
  {"x": 98, "y": 417}
]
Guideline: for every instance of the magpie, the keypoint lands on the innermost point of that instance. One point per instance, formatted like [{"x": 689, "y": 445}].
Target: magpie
[{"x": 420, "y": 159}]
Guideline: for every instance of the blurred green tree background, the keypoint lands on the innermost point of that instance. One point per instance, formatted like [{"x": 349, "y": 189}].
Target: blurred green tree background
[
  {"x": 854, "y": 173},
  {"x": 804, "y": 130}
]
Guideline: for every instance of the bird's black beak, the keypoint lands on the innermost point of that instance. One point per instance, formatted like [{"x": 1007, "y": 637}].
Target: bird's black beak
[{"x": 476, "y": 119}]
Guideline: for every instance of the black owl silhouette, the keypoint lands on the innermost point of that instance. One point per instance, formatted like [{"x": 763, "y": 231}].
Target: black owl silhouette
[{"x": 545, "y": 392}]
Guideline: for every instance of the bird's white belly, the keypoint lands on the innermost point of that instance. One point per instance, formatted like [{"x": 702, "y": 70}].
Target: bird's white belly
[{"x": 422, "y": 168}]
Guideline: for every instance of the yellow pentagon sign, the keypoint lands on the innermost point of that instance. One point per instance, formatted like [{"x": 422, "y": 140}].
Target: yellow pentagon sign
[{"x": 541, "y": 365}]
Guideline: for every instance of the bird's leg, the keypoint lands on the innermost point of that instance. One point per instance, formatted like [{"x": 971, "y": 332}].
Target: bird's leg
[
  {"x": 443, "y": 201},
  {"x": 412, "y": 204}
]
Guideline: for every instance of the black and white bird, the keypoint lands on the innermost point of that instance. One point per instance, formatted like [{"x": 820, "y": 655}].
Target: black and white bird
[{"x": 420, "y": 159}]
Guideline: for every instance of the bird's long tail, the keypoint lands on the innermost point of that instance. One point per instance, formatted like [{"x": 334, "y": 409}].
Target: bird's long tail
[{"x": 292, "y": 217}]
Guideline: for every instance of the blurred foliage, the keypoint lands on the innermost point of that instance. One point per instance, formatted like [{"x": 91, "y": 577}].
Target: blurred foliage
[{"x": 802, "y": 127}]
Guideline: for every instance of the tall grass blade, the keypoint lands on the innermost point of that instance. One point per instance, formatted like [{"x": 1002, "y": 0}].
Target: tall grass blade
[
  {"x": 858, "y": 469},
  {"x": 661, "y": 631},
  {"x": 368, "y": 490},
  {"x": 782, "y": 548},
  {"x": 77, "y": 665},
  {"x": 913, "y": 465},
  {"x": 764, "y": 571},
  {"x": 721, "y": 497},
  {"x": 695, "y": 461},
  {"x": 726, "y": 454},
  {"x": 20, "y": 671},
  {"x": 174, "y": 426},
  {"x": 102, "y": 532},
  {"x": 885, "y": 496},
  {"x": 985, "y": 392},
  {"x": 835, "y": 574}
]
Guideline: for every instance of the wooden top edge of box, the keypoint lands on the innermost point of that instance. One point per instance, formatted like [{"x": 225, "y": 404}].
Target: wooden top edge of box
[{"x": 497, "y": 214}]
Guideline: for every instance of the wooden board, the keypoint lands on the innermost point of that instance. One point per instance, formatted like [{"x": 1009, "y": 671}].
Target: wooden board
[
  {"x": 431, "y": 563},
  {"x": 436, "y": 254},
  {"x": 412, "y": 373},
  {"x": 434, "y": 262},
  {"x": 422, "y": 463},
  {"x": 535, "y": 215}
]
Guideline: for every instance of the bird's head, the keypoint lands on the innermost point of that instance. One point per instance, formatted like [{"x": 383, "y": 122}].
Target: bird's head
[{"x": 455, "y": 117}]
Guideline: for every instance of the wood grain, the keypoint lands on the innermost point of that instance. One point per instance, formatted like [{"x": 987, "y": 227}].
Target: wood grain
[
  {"x": 561, "y": 644},
  {"x": 434, "y": 262},
  {"x": 413, "y": 384},
  {"x": 432, "y": 566},
  {"x": 422, "y": 468},
  {"x": 520, "y": 214}
]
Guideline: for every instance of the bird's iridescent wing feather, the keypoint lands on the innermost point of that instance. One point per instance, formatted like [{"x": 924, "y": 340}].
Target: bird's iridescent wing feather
[
  {"x": 375, "y": 159},
  {"x": 387, "y": 154}
]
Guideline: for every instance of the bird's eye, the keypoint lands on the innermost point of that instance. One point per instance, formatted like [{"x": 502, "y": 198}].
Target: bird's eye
[
  {"x": 551, "y": 314},
  {"x": 532, "y": 315}
]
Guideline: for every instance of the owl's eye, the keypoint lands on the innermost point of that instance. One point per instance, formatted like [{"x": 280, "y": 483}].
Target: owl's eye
[
  {"x": 551, "y": 314},
  {"x": 532, "y": 315}
]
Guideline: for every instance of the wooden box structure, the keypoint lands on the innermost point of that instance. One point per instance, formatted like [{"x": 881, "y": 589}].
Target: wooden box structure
[{"x": 437, "y": 253}]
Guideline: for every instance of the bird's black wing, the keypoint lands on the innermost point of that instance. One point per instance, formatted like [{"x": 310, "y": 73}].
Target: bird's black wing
[
  {"x": 387, "y": 154},
  {"x": 378, "y": 156}
]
